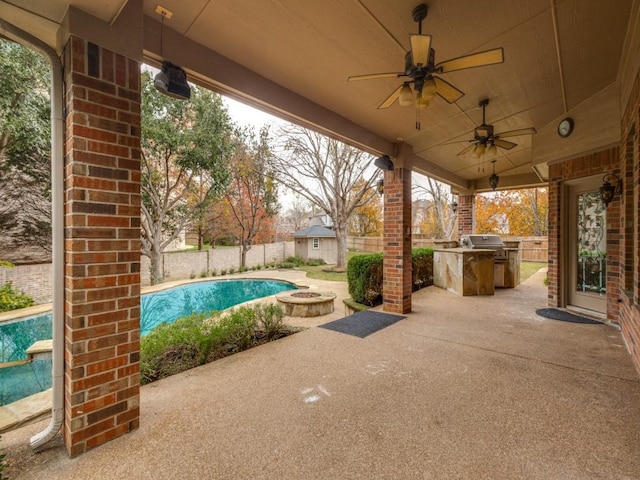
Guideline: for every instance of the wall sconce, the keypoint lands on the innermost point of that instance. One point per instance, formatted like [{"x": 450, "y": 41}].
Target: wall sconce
[
  {"x": 494, "y": 179},
  {"x": 380, "y": 187},
  {"x": 611, "y": 185},
  {"x": 454, "y": 206},
  {"x": 384, "y": 163}
]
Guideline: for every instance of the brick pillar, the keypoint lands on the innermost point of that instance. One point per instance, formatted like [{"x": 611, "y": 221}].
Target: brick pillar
[
  {"x": 102, "y": 245},
  {"x": 397, "y": 235},
  {"x": 466, "y": 214}
]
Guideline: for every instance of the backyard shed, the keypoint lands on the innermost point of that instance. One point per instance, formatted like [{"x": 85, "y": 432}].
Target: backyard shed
[{"x": 316, "y": 241}]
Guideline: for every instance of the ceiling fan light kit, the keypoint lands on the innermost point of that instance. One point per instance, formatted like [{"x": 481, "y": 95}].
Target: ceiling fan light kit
[{"x": 423, "y": 72}]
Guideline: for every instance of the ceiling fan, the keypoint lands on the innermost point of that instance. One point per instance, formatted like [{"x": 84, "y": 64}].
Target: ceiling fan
[
  {"x": 484, "y": 140},
  {"x": 421, "y": 70}
]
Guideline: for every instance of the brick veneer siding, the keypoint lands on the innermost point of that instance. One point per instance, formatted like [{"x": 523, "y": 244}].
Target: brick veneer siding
[
  {"x": 102, "y": 245},
  {"x": 592, "y": 164},
  {"x": 629, "y": 315},
  {"x": 466, "y": 214},
  {"x": 397, "y": 241}
]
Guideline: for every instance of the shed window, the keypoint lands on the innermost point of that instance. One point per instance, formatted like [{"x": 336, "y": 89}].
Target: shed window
[{"x": 316, "y": 243}]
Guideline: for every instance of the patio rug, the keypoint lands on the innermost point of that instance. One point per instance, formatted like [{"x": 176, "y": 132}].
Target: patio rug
[
  {"x": 362, "y": 324},
  {"x": 563, "y": 316}
]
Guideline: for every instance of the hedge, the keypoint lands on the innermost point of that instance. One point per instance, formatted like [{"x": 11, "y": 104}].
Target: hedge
[{"x": 365, "y": 275}]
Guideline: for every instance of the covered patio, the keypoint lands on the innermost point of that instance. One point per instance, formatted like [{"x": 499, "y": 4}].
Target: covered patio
[
  {"x": 485, "y": 394},
  {"x": 563, "y": 59}
]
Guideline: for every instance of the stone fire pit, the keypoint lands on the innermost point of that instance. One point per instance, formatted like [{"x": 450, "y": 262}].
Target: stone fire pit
[{"x": 305, "y": 303}]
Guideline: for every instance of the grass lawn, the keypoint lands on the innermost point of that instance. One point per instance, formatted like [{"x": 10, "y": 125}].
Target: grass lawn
[{"x": 529, "y": 268}]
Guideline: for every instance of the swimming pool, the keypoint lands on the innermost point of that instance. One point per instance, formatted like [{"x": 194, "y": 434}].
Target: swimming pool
[{"x": 164, "y": 306}]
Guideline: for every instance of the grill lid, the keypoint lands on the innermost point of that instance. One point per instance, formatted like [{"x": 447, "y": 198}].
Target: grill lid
[{"x": 489, "y": 242}]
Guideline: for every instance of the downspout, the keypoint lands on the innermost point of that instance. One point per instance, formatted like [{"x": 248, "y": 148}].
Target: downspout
[{"x": 57, "y": 216}]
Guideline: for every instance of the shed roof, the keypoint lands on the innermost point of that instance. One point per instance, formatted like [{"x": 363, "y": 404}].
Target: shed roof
[{"x": 315, "y": 231}]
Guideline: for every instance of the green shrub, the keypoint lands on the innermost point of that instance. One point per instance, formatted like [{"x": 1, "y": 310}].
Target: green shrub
[
  {"x": 203, "y": 274},
  {"x": 422, "y": 268},
  {"x": 223, "y": 271},
  {"x": 12, "y": 299},
  {"x": 171, "y": 348},
  {"x": 271, "y": 319},
  {"x": 239, "y": 327},
  {"x": 296, "y": 260},
  {"x": 314, "y": 262},
  {"x": 232, "y": 270},
  {"x": 364, "y": 276},
  {"x": 287, "y": 265}
]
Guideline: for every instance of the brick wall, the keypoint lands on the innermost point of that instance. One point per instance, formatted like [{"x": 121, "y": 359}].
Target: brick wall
[
  {"x": 559, "y": 173},
  {"x": 397, "y": 241},
  {"x": 629, "y": 317},
  {"x": 466, "y": 214},
  {"x": 102, "y": 259}
]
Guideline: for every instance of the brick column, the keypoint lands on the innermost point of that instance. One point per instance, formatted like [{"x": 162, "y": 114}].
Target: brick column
[
  {"x": 397, "y": 270},
  {"x": 102, "y": 245},
  {"x": 466, "y": 214}
]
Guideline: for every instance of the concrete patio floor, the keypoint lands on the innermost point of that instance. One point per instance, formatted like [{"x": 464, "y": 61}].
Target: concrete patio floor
[{"x": 464, "y": 387}]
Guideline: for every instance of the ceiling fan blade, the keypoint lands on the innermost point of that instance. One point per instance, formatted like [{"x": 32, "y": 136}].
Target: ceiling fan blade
[
  {"x": 447, "y": 91},
  {"x": 490, "y": 57},
  {"x": 374, "y": 76},
  {"x": 515, "y": 133},
  {"x": 467, "y": 149},
  {"x": 391, "y": 98},
  {"x": 420, "y": 46},
  {"x": 504, "y": 144}
]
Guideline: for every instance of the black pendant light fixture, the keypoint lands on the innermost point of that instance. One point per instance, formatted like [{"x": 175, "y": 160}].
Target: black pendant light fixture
[
  {"x": 172, "y": 79},
  {"x": 494, "y": 179}
]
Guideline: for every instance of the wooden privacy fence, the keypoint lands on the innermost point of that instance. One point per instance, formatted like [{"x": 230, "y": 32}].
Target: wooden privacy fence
[{"x": 533, "y": 249}]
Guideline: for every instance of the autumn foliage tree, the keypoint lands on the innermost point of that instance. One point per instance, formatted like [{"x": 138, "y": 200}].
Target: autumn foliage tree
[
  {"x": 252, "y": 197},
  {"x": 437, "y": 218},
  {"x": 366, "y": 220},
  {"x": 513, "y": 212}
]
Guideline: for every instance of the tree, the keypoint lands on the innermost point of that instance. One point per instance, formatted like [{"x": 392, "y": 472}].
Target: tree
[
  {"x": 438, "y": 220},
  {"x": 185, "y": 149},
  {"x": 366, "y": 220},
  {"x": 252, "y": 193},
  {"x": 514, "y": 212},
  {"x": 25, "y": 150},
  {"x": 325, "y": 172}
]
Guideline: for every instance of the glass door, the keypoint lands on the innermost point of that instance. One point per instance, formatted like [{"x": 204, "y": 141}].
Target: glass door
[{"x": 587, "y": 247}]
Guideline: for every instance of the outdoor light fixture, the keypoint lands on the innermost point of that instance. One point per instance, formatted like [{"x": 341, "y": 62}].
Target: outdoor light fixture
[
  {"x": 611, "y": 185},
  {"x": 380, "y": 187},
  {"x": 172, "y": 79},
  {"x": 454, "y": 206},
  {"x": 384, "y": 163},
  {"x": 494, "y": 179}
]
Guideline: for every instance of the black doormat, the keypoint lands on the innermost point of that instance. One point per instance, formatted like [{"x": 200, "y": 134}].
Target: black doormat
[
  {"x": 362, "y": 324},
  {"x": 564, "y": 316}
]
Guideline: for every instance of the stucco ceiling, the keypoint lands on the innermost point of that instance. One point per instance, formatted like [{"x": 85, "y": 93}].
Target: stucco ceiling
[{"x": 558, "y": 55}]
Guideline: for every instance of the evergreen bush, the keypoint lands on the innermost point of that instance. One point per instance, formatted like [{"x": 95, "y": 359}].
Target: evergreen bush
[{"x": 12, "y": 299}]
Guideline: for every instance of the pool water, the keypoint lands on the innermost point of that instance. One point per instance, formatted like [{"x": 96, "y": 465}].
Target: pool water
[{"x": 165, "y": 306}]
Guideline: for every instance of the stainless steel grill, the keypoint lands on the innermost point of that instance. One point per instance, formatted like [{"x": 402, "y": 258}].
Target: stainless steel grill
[{"x": 487, "y": 242}]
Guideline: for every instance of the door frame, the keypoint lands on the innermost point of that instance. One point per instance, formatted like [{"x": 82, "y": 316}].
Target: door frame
[{"x": 594, "y": 302}]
